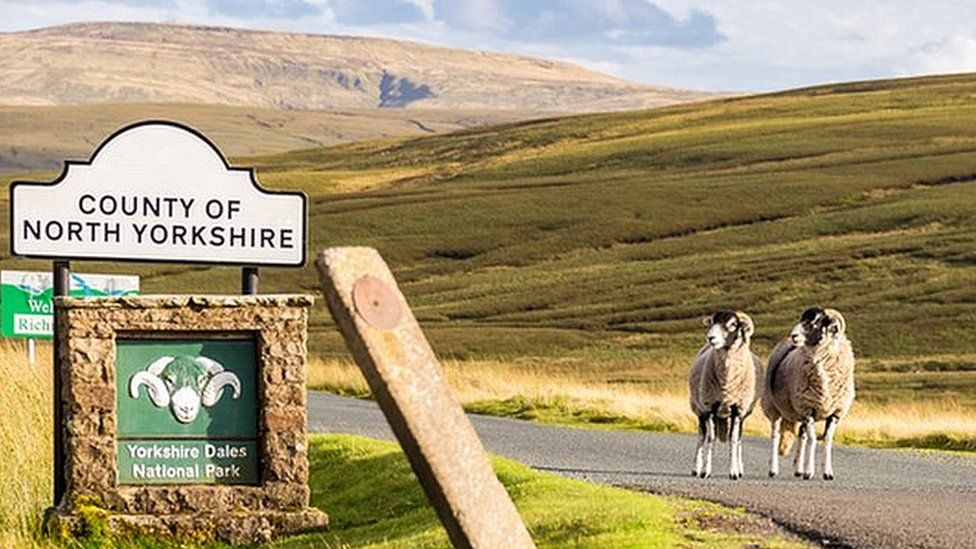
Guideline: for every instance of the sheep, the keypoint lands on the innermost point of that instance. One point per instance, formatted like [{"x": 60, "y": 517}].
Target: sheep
[
  {"x": 810, "y": 378},
  {"x": 726, "y": 382},
  {"x": 184, "y": 383}
]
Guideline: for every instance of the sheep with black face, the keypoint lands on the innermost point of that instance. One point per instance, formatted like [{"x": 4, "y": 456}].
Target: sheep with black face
[
  {"x": 810, "y": 379},
  {"x": 725, "y": 382},
  {"x": 184, "y": 383}
]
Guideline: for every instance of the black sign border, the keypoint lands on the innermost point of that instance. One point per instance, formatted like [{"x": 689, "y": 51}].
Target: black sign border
[{"x": 251, "y": 177}]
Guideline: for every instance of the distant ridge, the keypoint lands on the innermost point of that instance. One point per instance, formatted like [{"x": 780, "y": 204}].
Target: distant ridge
[{"x": 87, "y": 63}]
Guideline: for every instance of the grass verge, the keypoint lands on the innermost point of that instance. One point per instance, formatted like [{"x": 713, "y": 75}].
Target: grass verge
[
  {"x": 543, "y": 393},
  {"x": 374, "y": 500}
]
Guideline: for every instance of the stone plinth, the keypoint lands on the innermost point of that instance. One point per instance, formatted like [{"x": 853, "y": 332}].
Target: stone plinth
[{"x": 276, "y": 503}]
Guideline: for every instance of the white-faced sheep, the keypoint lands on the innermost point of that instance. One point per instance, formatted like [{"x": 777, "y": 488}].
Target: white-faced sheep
[
  {"x": 726, "y": 382},
  {"x": 810, "y": 378}
]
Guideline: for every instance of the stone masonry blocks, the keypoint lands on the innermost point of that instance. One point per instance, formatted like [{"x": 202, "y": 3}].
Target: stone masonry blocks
[{"x": 233, "y": 513}]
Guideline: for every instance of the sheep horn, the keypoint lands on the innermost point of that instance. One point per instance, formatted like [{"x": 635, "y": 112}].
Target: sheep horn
[
  {"x": 157, "y": 367},
  {"x": 155, "y": 388},
  {"x": 750, "y": 326},
  {"x": 215, "y": 388},
  {"x": 835, "y": 315}
]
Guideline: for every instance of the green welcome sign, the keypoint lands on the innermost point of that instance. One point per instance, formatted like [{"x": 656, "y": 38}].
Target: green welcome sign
[
  {"x": 25, "y": 299},
  {"x": 187, "y": 411}
]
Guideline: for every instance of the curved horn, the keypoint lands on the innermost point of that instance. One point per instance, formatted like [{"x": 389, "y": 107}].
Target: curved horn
[
  {"x": 835, "y": 315},
  {"x": 156, "y": 368},
  {"x": 212, "y": 366},
  {"x": 155, "y": 388},
  {"x": 215, "y": 388},
  {"x": 750, "y": 326}
]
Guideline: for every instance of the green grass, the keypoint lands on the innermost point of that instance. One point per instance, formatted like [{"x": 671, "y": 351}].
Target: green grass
[
  {"x": 605, "y": 237},
  {"x": 374, "y": 500},
  {"x": 565, "y": 412}
]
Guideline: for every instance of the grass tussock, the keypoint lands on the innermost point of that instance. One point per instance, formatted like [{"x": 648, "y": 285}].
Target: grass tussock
[
  {"x": 25, "y": 443},
  {"x": 534, "y": 392}
]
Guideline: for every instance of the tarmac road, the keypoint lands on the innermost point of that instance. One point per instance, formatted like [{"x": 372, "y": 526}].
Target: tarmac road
[{"x": 881, "y": 498}]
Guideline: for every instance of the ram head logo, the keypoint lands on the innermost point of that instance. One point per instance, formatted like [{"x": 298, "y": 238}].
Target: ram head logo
[{"x": 184, "y": 383}]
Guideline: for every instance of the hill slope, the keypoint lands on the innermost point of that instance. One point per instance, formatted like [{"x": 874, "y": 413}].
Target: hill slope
[
  {"x": 608, "y": 235},
  {"x": 154, "y": 63},
  {"x": 41, "y": 138}
]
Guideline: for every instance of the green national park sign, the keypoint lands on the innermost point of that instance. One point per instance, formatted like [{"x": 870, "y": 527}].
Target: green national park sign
[
  {"x": 187, "y": 411},
  {"x": 26, "y": 309}
]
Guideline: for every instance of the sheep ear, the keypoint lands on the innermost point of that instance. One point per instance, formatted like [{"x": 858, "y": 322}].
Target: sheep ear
[
  {"x": 706, "y": 321},
  {"x": 746, "y": 320}
]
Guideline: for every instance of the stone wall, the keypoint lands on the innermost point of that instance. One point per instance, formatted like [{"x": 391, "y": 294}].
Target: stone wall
[{"x": 235, "y": 512}]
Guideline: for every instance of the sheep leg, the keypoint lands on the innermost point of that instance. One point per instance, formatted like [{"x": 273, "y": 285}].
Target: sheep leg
[
  {"x": 811, "y": 449},
  {"x": 739, "y": 446},
  {"x": 776, "y": 425},
  {"x": 801, "y": 447},
  {"x": 828, "y": 450},
  {"x": 735, "y": 422},
  {"x": 700, "y": 449},
  {"x": 709, "y": 445}
]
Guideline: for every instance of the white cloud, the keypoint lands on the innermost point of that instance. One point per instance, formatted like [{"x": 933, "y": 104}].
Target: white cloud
[
  {"x": 952, "y": 54},
  {"x": 481, "y": 15},
  {"x": 425, "y": 6}
]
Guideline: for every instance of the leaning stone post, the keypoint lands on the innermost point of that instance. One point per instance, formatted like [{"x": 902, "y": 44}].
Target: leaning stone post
[{"x": 406, "y": 379}]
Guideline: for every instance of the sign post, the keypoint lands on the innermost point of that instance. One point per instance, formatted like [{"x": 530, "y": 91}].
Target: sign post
[
  {"x": 192, "y": 433},
  {"x": 249, "y": 280},
  {"x": 61, "y": 288}
]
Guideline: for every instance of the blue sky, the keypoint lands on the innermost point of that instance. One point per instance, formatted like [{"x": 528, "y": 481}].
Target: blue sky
[{"x": 716, "y": 45}]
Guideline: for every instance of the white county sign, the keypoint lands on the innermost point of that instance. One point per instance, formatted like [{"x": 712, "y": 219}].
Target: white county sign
[{"x": 158, "y": 191}]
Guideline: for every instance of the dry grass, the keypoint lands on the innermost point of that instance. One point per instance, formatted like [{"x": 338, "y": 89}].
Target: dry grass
[
  {"x": 925, "y": 424},
  {"x": 25, "y": 443},
  {"x": 532, "y": 391},
  {"x": 477, "y": 384}
]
